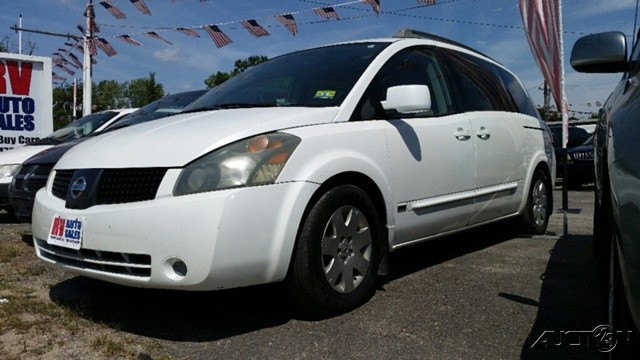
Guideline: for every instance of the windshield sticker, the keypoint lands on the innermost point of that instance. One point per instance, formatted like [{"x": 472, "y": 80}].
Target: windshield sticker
[{"x": 325, "y": 94}]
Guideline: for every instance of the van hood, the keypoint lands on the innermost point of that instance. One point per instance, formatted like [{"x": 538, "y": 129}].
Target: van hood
[{"x": 177, "y": 140}]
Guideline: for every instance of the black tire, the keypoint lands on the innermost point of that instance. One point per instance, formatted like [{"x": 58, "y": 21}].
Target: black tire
[
  {"x": 535, "y": 216},
  {"x": 327, "y": 249}
]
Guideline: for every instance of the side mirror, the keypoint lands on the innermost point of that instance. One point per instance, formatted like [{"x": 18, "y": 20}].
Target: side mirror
[
  {"x": 407, "y": 99},
  {"x": 600, "y": 53}
]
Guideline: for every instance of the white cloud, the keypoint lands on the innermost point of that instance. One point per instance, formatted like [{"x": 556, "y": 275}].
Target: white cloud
[{"x": 169, "y": 55}]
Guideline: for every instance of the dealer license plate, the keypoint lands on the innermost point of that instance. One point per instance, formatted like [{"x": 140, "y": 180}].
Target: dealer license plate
[{"x": 66, "y": 232}]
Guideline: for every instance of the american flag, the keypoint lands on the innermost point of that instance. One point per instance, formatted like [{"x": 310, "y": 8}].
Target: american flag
[
  {"x": 188, "y": 31},
  {"x": 289, "y": 22},
  {"x": 427, "y": 2},
  {"x": 57, "y": 77},
  {"x": 65, "y": 69},
  {"x": 254, "y": 28},
  {"x": 141, "y": 6},
  {"x": 129, "y": 40},
  {"x": 219, "y": 38},
  {"x": 92, "y": 47},
  {"x": 375, "y": 4},
  {"x": 541, "y": 21},
  {"x": 75, "y": 59},
  {"x": 113, "y": 9},
  {"x": 106, "y": 47},
  {"x": 153, "y": 34},
  {"x": 327, "y": 12}
]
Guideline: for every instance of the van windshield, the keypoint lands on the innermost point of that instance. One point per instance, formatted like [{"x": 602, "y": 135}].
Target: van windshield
[{"x": 320, "y": 77}]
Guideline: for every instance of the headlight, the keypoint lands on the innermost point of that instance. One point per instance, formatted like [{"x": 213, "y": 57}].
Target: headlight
[
  {"x": 249, "y": 162},
  {"x": 8, "y": 170}
]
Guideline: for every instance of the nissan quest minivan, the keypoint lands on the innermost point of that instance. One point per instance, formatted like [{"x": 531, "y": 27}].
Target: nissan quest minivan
[{"x": 308, "y": 169}]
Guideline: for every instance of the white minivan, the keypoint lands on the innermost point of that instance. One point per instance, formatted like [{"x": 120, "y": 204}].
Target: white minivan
[{"x": 308, "y": 169}]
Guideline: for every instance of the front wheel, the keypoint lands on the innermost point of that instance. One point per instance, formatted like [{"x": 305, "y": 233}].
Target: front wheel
[
  {"x": 535, "y": 216},
  {"x": 337, "y": 253}
]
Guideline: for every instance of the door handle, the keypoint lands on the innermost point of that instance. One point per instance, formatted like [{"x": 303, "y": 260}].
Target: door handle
[
  {"x": 483, "y": 133},
  {"x": 462, "y": 134}
]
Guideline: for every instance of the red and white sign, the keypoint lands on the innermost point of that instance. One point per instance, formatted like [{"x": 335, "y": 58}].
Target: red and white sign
[{"x": 26, "y": 104}]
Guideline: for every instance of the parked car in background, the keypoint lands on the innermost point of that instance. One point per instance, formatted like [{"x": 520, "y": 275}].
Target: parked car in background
[
  {"x": 580, "y": 169},
  {"x": 617, "y": 176},
  {"x": 309, "y": 169},
  {"x": 35, "y": 170},
  {"x": 10, "y": 160}
]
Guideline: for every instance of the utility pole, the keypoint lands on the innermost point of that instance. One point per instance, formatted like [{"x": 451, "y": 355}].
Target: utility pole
[{"x": 88, "y": 37}]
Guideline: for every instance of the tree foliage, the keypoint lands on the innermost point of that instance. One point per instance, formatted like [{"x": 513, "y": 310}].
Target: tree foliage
[
  {"x": 105, "y": 95},
  {"x": 239, "y": 66},
  {"x": 142, "y": 91}
]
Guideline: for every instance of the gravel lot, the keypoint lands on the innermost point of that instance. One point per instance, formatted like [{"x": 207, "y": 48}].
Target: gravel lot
[{"x": 486, "y": 293}]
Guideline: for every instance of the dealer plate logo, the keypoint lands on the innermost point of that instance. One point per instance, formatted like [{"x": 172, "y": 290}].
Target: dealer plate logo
[{"x": 78, "y": 187}]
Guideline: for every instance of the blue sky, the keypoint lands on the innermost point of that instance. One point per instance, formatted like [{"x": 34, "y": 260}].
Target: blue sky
[{"x": 494, "y": 27}]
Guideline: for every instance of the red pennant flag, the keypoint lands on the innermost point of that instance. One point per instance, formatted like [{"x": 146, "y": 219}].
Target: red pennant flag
[
  {"x": 140, "y": 5},
  {"x": 327, "y": 12},
  {"x": 219, "y": 38},
  {"x": 254, "y": 28},
  {"x": 113, "y": 9},
  {"x": 153, "y": 34},
  {"x": 129, "y": 40},
  {"x": 289, "y": 22},
  {"x": 188, "y": 31}
]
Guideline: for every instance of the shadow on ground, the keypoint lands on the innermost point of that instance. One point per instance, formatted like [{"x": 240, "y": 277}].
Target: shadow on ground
[
  {"x": 570, "y": 300},
  {"x": 210, "y": 316}
]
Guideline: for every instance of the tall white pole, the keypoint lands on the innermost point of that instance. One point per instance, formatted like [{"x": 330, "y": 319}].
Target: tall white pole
[
  {"x": 20, "y": 36},
  {"x": 565, "y": 126},
  {"x": 86, "y": 78}
]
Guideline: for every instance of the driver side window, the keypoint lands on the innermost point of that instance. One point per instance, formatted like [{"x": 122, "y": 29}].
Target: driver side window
[{"x": 414, "y": 66}]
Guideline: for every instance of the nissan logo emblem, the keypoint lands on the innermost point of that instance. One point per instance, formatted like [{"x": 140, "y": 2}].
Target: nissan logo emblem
[{"x": 78, "y": 187}]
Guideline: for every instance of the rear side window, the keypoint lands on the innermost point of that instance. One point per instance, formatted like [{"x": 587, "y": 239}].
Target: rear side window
[
  {"x": 518, "y": 94},
  {"x": 477, "y": 86}
]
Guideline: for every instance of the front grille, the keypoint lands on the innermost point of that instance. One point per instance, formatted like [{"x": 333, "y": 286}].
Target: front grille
[
  {"x": 117, "y": 186},
  {"x": 583, "y": 156},
  {"x": 61, "y": 183},
  {"x": 138, "y": 265},
  {"x": 32, "y": 178}
]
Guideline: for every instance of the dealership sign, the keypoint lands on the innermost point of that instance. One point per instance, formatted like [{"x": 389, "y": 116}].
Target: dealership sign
[{"x": 26, "y": 110}]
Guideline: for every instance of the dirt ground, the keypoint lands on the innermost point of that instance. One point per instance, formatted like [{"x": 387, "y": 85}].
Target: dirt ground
[{"x": 35, "y": 323}]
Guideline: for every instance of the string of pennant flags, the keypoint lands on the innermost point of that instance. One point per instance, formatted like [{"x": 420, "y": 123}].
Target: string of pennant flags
[{"x": 64, "y": 59}]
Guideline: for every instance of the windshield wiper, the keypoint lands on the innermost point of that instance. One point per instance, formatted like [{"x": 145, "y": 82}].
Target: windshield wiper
[
  {"x": 46, "y": 141},
  {"x": 228, "y": 106}
]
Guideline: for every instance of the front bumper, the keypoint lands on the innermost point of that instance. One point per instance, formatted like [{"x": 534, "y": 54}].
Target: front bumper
[{"x": 227, "y": 238}]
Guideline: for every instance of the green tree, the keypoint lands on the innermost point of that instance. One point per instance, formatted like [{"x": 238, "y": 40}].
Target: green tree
[
  {"x": 239, "y": 66},
  {"x": 217, "y": 79},
  {"x": 242, "y": 65},
  {"x": 142, "y": 91},
  {"x": 109, "y": 94}
]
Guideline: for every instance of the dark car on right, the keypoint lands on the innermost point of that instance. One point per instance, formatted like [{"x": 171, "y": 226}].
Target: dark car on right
[
  {"x": 579, "y": 155},
  {"x": 617, "y": 177}
]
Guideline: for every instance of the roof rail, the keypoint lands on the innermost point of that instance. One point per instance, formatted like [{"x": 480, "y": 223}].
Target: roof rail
[{"x": 416, "y": 34}]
